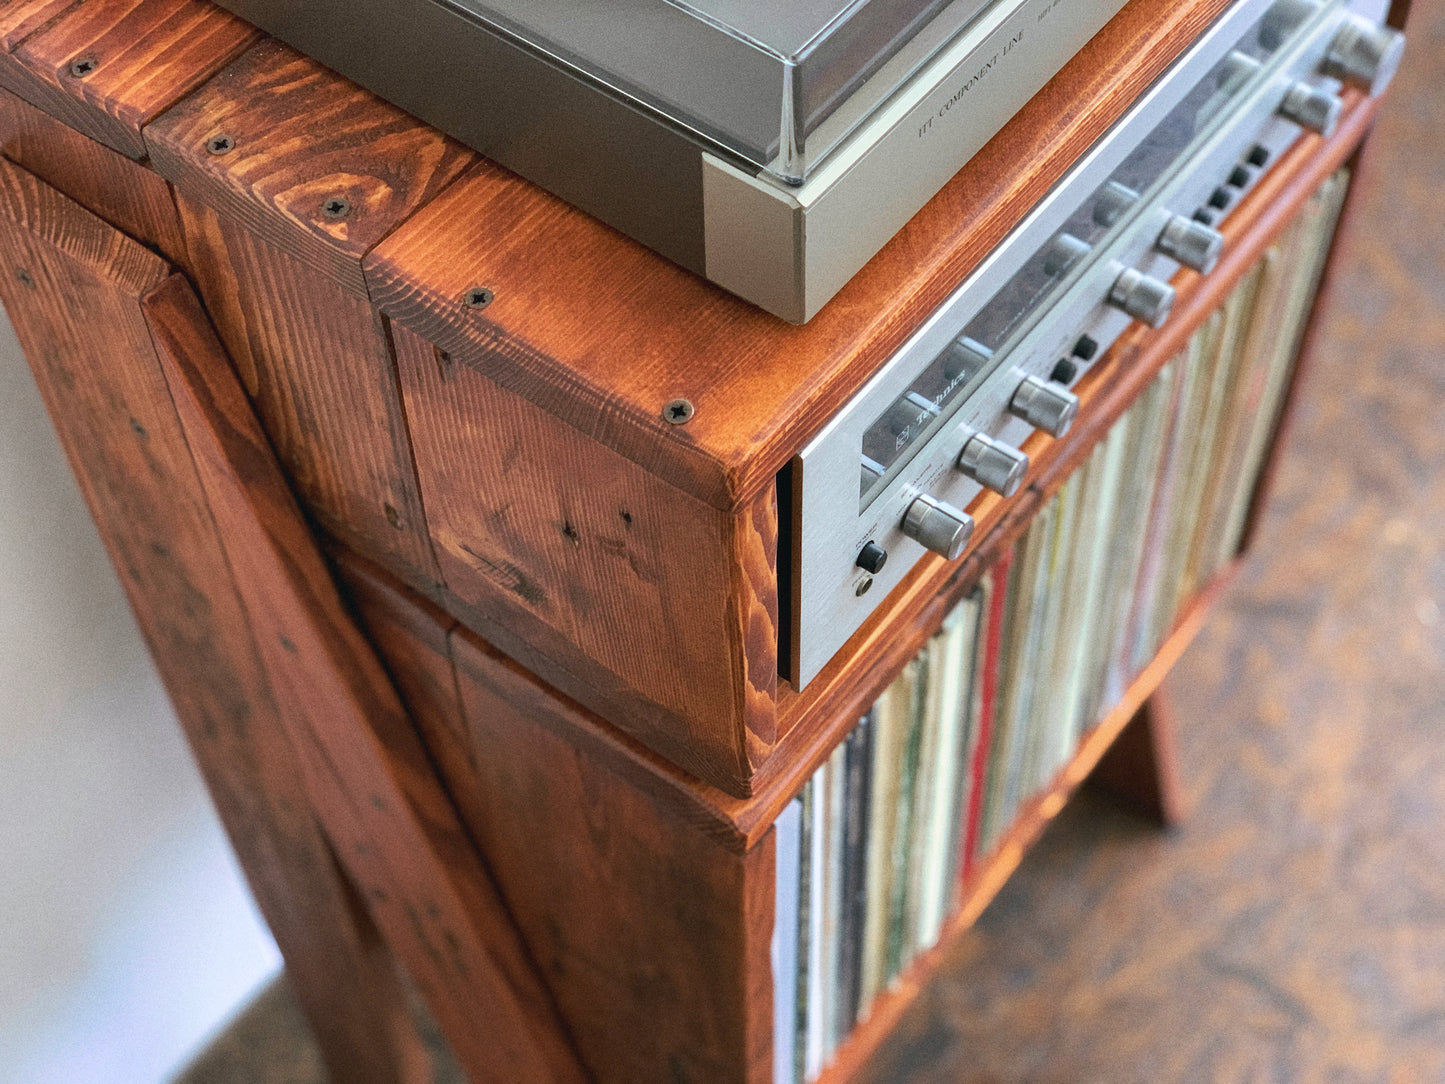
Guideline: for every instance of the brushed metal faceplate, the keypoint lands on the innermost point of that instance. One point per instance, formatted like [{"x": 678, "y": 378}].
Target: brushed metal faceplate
[{"x": 828, "y": 525}]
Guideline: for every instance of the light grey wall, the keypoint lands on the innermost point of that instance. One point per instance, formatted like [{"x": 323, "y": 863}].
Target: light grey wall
[{"x": 126, "y": 933}]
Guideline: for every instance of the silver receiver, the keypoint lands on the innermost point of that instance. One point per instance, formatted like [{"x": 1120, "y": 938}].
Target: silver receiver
[{"x": 895, "y": 472}]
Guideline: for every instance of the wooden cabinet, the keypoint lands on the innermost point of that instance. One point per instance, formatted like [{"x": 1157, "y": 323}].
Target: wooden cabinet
[{"x": 480, "y": 653}]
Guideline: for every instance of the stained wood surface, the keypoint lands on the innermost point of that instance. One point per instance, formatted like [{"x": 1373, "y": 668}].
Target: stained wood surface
[
  {"x": 602, "y": 333},
  {"x": 301, "y": 137},
  {"x": 653, "y": 607},
  {"x": 368, "y": 777},
  {"x": 21, "y": 18},
  {"x": 315, "y": 363},
  {"x": 107, "y": 67},
  {"x": 313, "y": 171},
  {"x": 72, "y": 287},
  {"x": 1141, "y": 768},
  {"x": 512, "y": 781},
  {"x": 106, "y": 183},
  {"x": 653, "y": 937}
]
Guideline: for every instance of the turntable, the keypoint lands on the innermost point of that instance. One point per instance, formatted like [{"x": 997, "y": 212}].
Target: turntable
[{"x": 772, "y": 148}]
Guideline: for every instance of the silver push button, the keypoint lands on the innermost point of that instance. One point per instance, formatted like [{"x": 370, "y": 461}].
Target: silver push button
[
  {"x": 1312, "y": 108},
  {"x": 993, "y": 464},
  {"x": 1045, "y": 406},
  {"x": 1142, "y": 296},
  {"x": 1193, "y": 244},
  {"x": 1364, "y": 55},
  {"x": 938, "y": 526}
]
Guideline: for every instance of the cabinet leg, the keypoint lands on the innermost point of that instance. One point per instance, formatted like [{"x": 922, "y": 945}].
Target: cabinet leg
[
  {"x": 73, "y": 289},
  {"x": 1141, "y": 768}
]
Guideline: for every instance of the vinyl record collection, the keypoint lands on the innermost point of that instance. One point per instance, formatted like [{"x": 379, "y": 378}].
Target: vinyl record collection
[{"x": 874, "y": 851}]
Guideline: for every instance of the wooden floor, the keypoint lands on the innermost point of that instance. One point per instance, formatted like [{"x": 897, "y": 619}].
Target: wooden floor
[{"x": 1294, "y": 929}]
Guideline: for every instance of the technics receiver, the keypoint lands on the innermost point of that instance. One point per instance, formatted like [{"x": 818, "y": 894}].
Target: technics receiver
[
  {"x": 773, "y": 148},
  {"x": 890, "y": 475}
]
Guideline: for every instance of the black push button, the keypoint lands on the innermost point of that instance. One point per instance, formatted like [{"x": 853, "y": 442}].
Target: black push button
[
  {"x": 1064, "y": 372},
  {"x": 1258, "y": 156},
  {"x": 871, "y": 558},
  {"x": 1085, "y": 348},
  {"x": 1219, "y": 199},
  {"x": 1205, "y": 215},
  {"x": 1239, "y": 177}
]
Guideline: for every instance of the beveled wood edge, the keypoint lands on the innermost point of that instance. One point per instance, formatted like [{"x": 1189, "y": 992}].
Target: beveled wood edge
[
  {"x": 78, "y": 233},
  {"x": 993, "y": 871}
]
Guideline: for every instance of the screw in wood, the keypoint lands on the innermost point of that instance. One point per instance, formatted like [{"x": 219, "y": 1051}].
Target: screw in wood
[
  {"x": 220, "y": 144},
  {"x": 25, "y": 279},
  {"x": 337, "y": 207},
  {"x": 678, "y": 412},
  {"x": 84, "y": 66},
  {"x": 478, "y": 297}
]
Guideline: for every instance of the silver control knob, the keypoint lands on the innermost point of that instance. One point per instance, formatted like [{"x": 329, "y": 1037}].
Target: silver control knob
[
  {"x": 993, "y": 464},
  {"x": 1312, "y": 108},
  {"x": 1064, "y": 252},
  {"x": 1045, "y": 406},
  {"x": 1364, "y": 55},
  {"x": 1112, "y": 202},
  {"x": 938, "y": 526},
  {"x": 1142, "y": 296},
  {"x": 1192, "y": 243}
]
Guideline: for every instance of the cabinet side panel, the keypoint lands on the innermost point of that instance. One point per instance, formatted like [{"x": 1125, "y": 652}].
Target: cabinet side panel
[
  {"x": 71, "y": 287},
  {"x": 104, "y": 182},
  {"x": 650, "y": 934},
  {"x": 315, "y": 363},
  {"x": 598, "y": 565}
]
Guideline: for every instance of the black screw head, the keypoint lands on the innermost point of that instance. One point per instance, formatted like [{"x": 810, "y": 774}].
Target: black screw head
[
  {"x": 220, "y": 144},
  {"x": 25, "y": 278},
  {"x": 678, "y": 412},
  {"x": 336, "y": 208},
  {"x": 478, "y": 297},
  {"x": 83, "y": 66}
]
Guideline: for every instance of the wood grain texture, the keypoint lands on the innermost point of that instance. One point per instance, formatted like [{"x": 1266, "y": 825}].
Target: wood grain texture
[
  {"x": 282, "y": 277},
  {"x": 603, "y": 333},
  {"x": 653, "y": 937},
  {"x": 664, "y": 604},
  {"x": 1141, "y": 768},
  {"x": 71, "y": 286},
  {"x": 107, "y": 67},
  {"x": 21, "y": 18},
  {"x": 301, "y": 136},
  {"x": 107, "y": 184},
  {"x": 368, "y": 777},
  {"x": 315, "y": 363}
]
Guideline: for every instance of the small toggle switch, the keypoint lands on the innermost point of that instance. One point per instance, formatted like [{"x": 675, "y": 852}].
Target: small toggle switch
[{"x": 871, "y": 558}]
